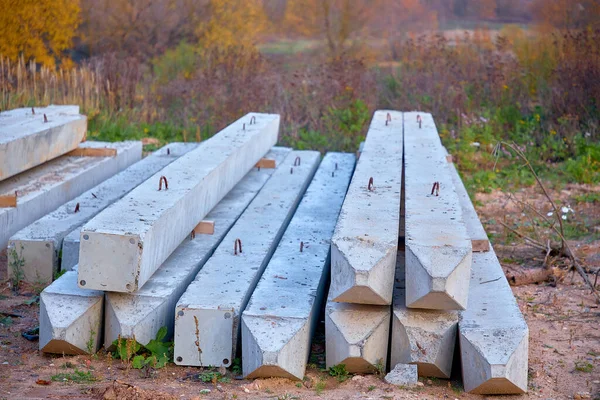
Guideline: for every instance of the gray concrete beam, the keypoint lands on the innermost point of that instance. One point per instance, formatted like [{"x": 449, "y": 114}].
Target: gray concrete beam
[
  {"x": 280, "y": 319},
  {"x": 438, "y": 249},
  {"x": 41, "y": 241},
  {"x": 142, "y": 229},
  {"x": 143, "y": 313},
  {"x": 70, "y": 250},
  {"x": 422, "y": 337},
  {"x": 357, "y": 336},
  {"x": 70, "y": 317},
  {"x": 46, "y": 187},
  {"x": 493, "y": 335},
  {"x": 26, "y": 140},
  {"x": 365, "y": 242},
  {"x": 207, "y": 322}
]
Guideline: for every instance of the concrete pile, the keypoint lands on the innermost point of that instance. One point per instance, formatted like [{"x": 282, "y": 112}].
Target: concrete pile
[
  {"x": 437, "y": 272},
  {"x": 231, "y": 245}
]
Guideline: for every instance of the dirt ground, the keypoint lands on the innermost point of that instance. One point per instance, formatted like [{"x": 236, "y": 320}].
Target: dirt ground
[{"x": 563, "y": 319}]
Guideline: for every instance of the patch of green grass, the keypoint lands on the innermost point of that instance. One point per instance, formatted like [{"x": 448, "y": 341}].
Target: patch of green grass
[
  {"x": 75, "y": 376},
  {"x": 213, "y": 376},
  {"x": 91, "y": 341},
  {"x": 371, "y": 388},
  {"x": 339, "y": 372},
  {"x": 236, "y": 366},
  {"x": 5, "y": 320},
  {"x": 592, "y": 197},
  {"x": 60, "y": 273},
  {"x": 584, "y": 366}
]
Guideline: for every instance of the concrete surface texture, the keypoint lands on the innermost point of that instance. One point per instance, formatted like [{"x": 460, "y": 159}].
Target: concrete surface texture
[
  {"x": 41, "y": 241},
  {"x": 279, "y": 321},
  {"x": 27, "y": 141},
  {"x": 493, "y": 335},
  {"x": 403, "y": 375},
  {"x": 207, "y": 322},
  {"x": 357, "y": 336},
  {"x": 70, "y": 317},
  {"x": 438, "y": 248},
  {"x": 44, "y": 188},
  {"x": 422, "y": 337},
  {"x": 365, "y": 242},
  {"x": 143, "y": 313},
  {"x": 142, "y": 229}
]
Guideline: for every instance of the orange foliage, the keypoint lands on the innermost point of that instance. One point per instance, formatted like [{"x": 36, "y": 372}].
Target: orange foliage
[
  {"x": 567, "y": 13},
  {"x": 37, "y": 29}
]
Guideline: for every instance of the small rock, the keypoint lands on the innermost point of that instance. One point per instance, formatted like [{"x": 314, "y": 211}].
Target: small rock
[
  {"x": 205, "y": 391},
  {"x": 403, "y": 375},
  {"x": 420, "y": 384},
  {"x": 429, "y": 382},
  {"x": 582, "y": 395},
  {"x": 246, "y": 389},
  {"x": 357, "y": 378}
]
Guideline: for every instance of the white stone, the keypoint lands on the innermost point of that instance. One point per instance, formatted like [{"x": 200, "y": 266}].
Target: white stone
[
  {"x": 403, "y": 375},
  {"x": 207, "y": 321},
  {"x": 438, "y": 249},
  {"x": 26, "y": 141},
  {"x": 42, "y": 240},
  {"x": 493, "y": 335},
  {"x": 280, "y": 319},
  {"x": 70, "y": 317},
  {"x": 357, "y": 336},
  {"x": 365, "y": 242},
  {"x": 143, "y": 313},
  {"x": 126, "y": 243},
  {"x": 48, "y": 186},
  {"x": 422, "y": 337}
]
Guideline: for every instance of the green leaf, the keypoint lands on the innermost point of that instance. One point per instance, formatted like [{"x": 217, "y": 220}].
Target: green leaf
[
  {"x": 161, "y": 334},
  {"x": 138, "y": 362}
]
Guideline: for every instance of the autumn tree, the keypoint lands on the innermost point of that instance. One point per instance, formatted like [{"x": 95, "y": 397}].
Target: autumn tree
[
  {"x": 232, "y": 23},
  {"x": 336, "y": 21},
  {"x": 41, "y": 30}
]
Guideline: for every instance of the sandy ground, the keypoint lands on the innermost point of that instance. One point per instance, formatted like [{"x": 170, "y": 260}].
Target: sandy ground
[{"x": 564, "y": 359}]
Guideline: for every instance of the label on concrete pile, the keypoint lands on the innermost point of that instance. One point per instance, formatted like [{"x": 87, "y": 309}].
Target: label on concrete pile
[
  {"x": 41, "y": 241},
  {"x": 438, "y": 248},
  {"x": 365, "y": 242},
  {"x": 207, "y": 321},
  {"x": 279, "y": 322},
  {"x": 27, "y": 140},
  {"x": 46, "y": 187},
  {"x": 143, "y": 313},
  {"x": 126, "y": 243}
]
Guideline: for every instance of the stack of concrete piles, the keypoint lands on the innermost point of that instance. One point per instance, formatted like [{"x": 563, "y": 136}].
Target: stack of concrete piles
[
  {"x": 140, "y": 252},
  {"x": 43, "y": 165},
  {"x": 436, "y": 286}
]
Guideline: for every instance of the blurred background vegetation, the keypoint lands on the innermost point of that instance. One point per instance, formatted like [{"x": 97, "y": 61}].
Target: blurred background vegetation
[{"x": 525, "y": 71}]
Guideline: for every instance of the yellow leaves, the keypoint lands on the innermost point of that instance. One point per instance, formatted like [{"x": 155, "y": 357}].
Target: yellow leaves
[
  {"x": 38, "y": 29},
  {"x": 232, "y": 23}
]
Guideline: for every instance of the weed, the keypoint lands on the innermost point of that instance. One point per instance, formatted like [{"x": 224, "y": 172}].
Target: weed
[
  {"x": 213, "y": 377},
  {"x": 583, "y": 366},
  {"x": 268, "y": 391},
  {"x": 32, "y": 301},
  {"x": 75, "y": 376},
  {"x": 90, "y": 344},
  {"x": 236, "y": 366},
  {"x": 156, "y": 354},
  {"x": 16, "y": 263},
  {"x": 380, "y": 367},
  {"x": 371, "y": 388},
  {"x": 457, "y": 389},
  {"x": 5, "y": 320},
  {"x": 298, "y": 385},
  {"x": 592, "y": 197},
  {"x": 320, "y": 386},
  {"x": 339, "y": 372}
]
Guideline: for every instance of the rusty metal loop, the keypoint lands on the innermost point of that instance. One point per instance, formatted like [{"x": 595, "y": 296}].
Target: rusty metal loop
[
  {"x": 237, "y": 243},
  {"x": 160, "y": 181}
]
